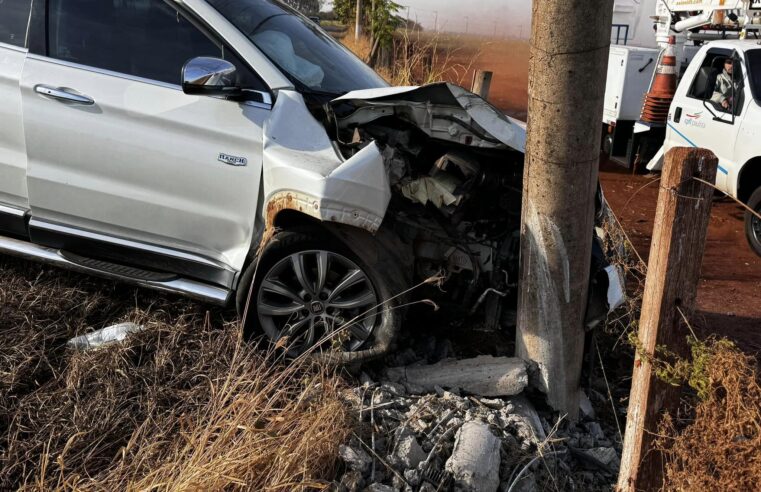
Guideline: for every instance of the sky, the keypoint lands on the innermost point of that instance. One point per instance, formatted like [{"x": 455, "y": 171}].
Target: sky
[{"x": 479, "y": 16}]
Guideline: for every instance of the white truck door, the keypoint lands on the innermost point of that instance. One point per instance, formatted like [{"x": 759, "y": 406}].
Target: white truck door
[
  {"x": 697, "y": 122},
  {"x": 117, "y": 149},
  {"x": 14, "y": 18}
]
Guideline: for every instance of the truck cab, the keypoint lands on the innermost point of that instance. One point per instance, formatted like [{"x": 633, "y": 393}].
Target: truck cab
[{"x": 731, "y": 130}]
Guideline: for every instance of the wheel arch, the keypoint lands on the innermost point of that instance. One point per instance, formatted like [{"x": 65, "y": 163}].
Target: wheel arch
[{"x": 749, "y": 179}]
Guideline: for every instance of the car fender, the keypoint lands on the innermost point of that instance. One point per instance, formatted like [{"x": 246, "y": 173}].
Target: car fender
[{"x": 304, "y": 172}]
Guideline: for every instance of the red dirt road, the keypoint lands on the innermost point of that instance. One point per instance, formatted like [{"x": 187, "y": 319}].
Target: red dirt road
[{"x": 729, "y": 294}]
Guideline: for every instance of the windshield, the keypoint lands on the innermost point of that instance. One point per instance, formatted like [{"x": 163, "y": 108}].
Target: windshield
[
  {"x": 307, "y": 55},
  {"x": 754, "y": 72}
]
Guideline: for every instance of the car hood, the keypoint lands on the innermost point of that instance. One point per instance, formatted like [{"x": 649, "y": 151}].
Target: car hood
[{"x": 421, "y": 105}]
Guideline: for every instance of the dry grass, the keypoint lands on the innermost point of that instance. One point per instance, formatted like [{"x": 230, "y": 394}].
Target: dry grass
[
  {"x": 184, "y": 405},
  {"x": 421, "y": 58},
  {"x": 721, "y": 448},
  {"x": 424, "y": 58}
]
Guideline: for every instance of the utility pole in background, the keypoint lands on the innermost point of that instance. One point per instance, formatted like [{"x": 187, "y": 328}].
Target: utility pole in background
[
  {"x": 358, "y": 26},
  {"x": 567, "y": 71},
  {"x": 435, "y": 21},
  {"x": 466, "y": 24}
]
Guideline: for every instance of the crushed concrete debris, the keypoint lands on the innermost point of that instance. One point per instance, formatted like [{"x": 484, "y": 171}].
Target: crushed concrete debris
[
  {"x": 435, "y": 435},
  {"x": 355, "y": 458},
  {"x": 475, "y": 460},
  {"x": 104, "y": 336},
  {"x": 484, "y": 375}
]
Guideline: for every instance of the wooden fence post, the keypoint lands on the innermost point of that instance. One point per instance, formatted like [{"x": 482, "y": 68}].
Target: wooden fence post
[
  {"x": 676, "y": 254},
  {"x": 482, "y": 83}
]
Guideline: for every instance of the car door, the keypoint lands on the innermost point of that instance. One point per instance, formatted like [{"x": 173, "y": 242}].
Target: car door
[
  {"x": 14, "y": 18},
  {"x": 696, "y": 121},
  {"x": 120, "y": 157}
]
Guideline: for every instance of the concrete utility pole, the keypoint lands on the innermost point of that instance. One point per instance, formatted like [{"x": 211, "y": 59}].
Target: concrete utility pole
[
  {"x": 435, "y": 21},
  {"x": 673, "y": 271},
  {"x": 567, "y": 70},
  {"x": 358, "y": 26}
]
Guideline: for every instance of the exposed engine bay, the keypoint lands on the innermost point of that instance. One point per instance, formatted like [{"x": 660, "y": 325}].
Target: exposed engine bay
[{"x": 455, "y": 167}]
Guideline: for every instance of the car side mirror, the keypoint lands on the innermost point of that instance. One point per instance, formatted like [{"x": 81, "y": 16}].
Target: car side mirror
[{"x": 209, "y": 76}]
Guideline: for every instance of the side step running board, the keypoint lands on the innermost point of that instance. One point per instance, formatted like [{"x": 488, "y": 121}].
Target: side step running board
[{"x": 152, "y": 280}]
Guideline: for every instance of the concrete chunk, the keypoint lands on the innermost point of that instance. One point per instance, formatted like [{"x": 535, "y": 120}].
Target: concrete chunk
[
  {"x": 475, "y": 460},
  {"x": 408, "y": 451},
  {"x": 483, "y": 375},
  {"x": 356, "y": 459}
]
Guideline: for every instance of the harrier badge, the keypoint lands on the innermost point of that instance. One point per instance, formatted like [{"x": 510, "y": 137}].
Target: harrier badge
[{"x": 232, "y": 160}]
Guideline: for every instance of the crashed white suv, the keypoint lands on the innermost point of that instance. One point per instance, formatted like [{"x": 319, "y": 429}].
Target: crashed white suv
[{"x": 232, "y": 150}]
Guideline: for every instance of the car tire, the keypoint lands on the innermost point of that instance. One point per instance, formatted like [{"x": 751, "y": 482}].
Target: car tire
[
  {"x": 296, "y": 313},
  {"x": 753, "y": 223}
]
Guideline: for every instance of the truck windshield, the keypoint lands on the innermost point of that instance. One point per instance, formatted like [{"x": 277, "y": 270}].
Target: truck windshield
[
  {"x": 305, "y": 53},
  {"x": 754, "y": 72}
]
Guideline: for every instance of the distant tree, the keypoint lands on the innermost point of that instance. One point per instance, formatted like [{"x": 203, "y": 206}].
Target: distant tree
[{"x": 380, "y": 23}]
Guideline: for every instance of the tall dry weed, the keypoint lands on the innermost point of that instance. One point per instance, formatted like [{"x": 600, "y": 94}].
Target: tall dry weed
[
  {"x": 424, "y": 58},
  {"x": 721, "y": 448},
  {"x": 184, "y": 405}
]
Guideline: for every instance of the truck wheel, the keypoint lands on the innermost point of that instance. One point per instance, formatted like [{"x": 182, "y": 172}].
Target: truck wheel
[
  {"x": 311, "y": 291},
  {"x": 753, "y": 223}
]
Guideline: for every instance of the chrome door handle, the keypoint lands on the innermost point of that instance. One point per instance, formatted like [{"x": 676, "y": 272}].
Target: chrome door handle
[{"x": 63, "y": 94}]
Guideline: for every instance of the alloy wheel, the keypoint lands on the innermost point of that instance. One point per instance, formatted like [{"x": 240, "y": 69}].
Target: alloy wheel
[{"x": 317, "y": 297}]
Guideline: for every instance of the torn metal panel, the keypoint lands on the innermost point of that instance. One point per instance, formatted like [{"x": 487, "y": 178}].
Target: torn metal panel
[
  {"x": 444, "y": 111},
  {"x": 303, "y": 171}
]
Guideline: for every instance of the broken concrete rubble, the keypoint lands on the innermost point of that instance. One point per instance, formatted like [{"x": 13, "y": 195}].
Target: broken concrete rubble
[
  {"x": 475, "y": 460},
  {"x": 408, "y": 452},
  {"x": 424, "y": 441},
  {"x": 355, "y": 458},
  {"x": 483, "y": 375}
]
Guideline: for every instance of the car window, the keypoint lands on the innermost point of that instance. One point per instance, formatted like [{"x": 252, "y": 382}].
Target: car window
[
  {"x": 14, "y": 19},
  {"x": 144, "y": 38},
  {"x": 754, "y": 72},
  {"x": 307, "y": 55},
  {"x": 705, "y": 80}
]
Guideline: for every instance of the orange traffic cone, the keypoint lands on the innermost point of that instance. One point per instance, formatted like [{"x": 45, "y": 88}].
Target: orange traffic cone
[{"x": 658, "y": 100}]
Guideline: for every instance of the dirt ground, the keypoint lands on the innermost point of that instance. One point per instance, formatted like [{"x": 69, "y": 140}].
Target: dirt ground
[
  {"x": 508, "y": 60},
  {"x": 729, "y": 300},
  {"x": 730, "y": 283}
]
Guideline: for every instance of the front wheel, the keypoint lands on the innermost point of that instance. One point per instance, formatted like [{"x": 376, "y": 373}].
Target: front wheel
[
  {"x": 753, "y": 223},
  {"x": 313, "y": 293}
]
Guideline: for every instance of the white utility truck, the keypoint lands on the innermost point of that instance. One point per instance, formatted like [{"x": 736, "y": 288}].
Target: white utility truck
[{"x": 717, "y": 47}]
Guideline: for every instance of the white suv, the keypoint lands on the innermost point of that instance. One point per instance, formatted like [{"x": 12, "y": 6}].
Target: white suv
[{"x": 232, "y": 150}]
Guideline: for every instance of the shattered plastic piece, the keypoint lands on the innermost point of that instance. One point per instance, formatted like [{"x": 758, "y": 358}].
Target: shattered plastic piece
[
  {"x": 616, "y": 295},
  {"x": 104, "y": 336}
]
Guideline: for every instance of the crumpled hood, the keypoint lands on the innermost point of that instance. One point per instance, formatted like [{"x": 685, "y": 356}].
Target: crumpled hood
[{"x": 437, "y": 97}]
